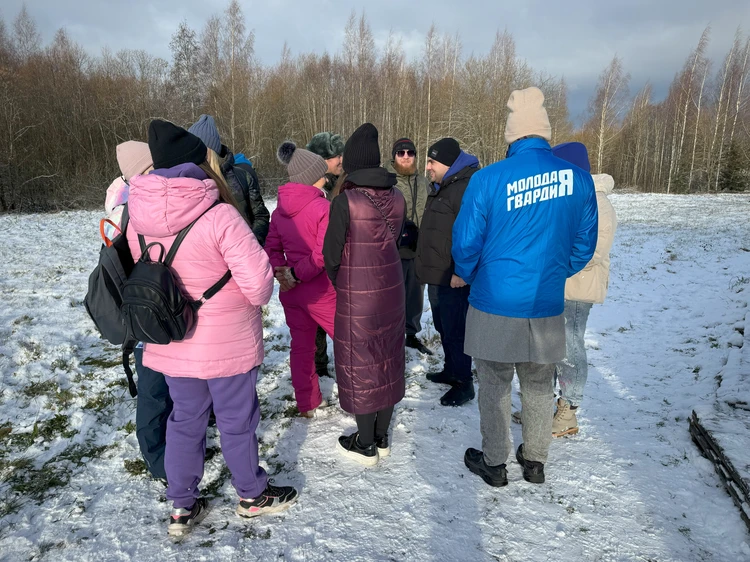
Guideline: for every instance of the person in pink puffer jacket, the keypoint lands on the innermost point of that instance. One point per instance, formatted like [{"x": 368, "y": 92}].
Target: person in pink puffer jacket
[
  {"x": 216, "y": 365},
  {"x": 295, "y": 248}
]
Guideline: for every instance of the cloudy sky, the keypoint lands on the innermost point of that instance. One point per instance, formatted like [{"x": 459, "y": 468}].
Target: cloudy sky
[{"x": 575, "y": 39}]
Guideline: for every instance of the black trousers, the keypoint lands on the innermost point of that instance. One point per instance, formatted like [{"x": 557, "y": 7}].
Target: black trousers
[
  {"x": 414, "y": 297},
  {"x": 373, "y": 425},
  {"x": 321, "y": 351},
  {"x": 449, "y": 309}
]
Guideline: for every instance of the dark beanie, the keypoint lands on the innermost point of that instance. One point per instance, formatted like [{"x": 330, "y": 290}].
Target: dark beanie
[
  {"x": 362, "y": 150},
  {"x": 402, "y": 144},
  {"x": 575, "y": 153},
  {"x": 445, "y": 151},
  {"x": 171, "y": 145}
]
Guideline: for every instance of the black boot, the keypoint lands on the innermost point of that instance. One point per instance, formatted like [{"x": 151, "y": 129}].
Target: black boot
[
  {"x": 494, "y": 475},
  {"x": 350, "y": 447},
  {"x": 532, "y": 471},
  {"x": 322, "y": 371},
  {"x": 461, "y": 393},
  {"x": 413, "y": 342},
  {"x": 441, "y": 377}
]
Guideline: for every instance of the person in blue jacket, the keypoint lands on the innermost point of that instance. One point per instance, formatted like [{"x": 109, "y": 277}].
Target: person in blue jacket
[{"x": 526, "y": 224}]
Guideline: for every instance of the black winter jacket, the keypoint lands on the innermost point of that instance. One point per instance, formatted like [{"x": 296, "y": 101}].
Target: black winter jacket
[
  {"x": 434, "y": 261},
  {"x": 243, "y": 181}
]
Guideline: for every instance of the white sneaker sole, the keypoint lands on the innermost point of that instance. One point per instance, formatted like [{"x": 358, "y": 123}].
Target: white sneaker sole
[
  {"x": 382, "y": 453},
  {"x": 356, "y": 457},
  {"x": 181, "y": 529},
  {"x": 247, "y": 514}
]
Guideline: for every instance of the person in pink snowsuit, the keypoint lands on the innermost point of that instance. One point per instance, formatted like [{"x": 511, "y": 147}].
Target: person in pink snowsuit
[{"x": 295, "y": 249}]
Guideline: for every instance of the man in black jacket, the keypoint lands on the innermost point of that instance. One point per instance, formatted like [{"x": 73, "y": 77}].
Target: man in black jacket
[
  {"x": 330, "y": 147},
  {"x": 243, "y": 184},
  {"x": 448, "y": 169}
]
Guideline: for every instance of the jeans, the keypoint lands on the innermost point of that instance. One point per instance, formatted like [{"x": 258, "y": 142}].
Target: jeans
[
  {"x": 153, "y": 407},
  {"x": 495, "y": 383},
  {"x": 573, "y": 371},
  {"x": 449, "y": 308}
]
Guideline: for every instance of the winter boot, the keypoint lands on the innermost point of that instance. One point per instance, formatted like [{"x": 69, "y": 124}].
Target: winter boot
[
  {"x": 565, "y": 421},
  {"x": 414, "y": 343},
  {"x": 182, "y": 520},
  {"x": 383, "y": 446},
  {"x": 460, "y": 394},
  {"x": 494, "y": 475},
  {"x": 272, "y": 500},
  {"x": 441, "y": 377},
  {"x": 312, "y": 413},
  {"x": 350, "y": 447},
  {"x": 532, "y": 471}
]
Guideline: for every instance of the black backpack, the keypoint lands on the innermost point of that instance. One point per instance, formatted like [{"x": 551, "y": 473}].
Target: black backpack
[{"x": 149, "y": 305}]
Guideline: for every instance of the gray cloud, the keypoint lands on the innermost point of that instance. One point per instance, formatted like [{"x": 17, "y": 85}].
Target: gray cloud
[{"x": 573, "y": 39}]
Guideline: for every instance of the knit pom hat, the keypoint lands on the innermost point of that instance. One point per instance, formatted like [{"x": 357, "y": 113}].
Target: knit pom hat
[
  {"x": 446, "y": 151},
  {"x": 326, "y": 145},
  {"x": 171, "y": 145},
  {"x": 527, "y": 115},
  {"x": 133, "y": 158},
  {"x": 575, "y": 153},
  {"x": 303, "y": 166},
  {"x": 205, "y": 129},
  {"x": 362, "y": 149},
  {"x": 403, "y": 144}
]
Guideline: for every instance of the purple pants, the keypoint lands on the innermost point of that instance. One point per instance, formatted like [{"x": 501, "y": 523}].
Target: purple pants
[{"x": 235, "y": 404}]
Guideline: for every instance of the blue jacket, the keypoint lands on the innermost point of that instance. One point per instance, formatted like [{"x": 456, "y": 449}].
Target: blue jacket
[{"x": 526, "y": 224}]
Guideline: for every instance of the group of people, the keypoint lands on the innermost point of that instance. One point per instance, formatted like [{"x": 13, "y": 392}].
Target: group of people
[{"x": 506, "y": 252}]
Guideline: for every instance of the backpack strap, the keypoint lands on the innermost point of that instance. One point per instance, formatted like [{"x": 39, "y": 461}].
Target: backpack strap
[
  {"x": 127, "y": 350},
  {"x": 124, "y": 218},
  {"x": 181, "y": 236},
  {"x": 215, "y": 288}
]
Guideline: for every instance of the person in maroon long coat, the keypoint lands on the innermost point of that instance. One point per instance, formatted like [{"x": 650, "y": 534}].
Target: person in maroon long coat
[{"x": 363, "y": 263}]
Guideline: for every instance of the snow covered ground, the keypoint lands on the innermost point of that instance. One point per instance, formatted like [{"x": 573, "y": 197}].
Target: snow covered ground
[{"x": 630, "y": 486}]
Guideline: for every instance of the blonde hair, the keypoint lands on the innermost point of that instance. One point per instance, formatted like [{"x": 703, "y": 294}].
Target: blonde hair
[{"x": 212, "y": 167}]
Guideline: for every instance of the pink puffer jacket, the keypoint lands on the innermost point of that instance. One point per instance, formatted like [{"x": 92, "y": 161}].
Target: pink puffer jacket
[
  {"x": 228, "y": 336},
  {"x": 295, "y": 238}
]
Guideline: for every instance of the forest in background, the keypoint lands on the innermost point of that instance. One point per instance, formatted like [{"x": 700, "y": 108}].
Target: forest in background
[{"x": 63, "y": 111}]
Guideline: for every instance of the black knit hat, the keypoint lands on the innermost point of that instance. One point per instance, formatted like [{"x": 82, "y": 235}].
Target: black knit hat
[
  {"x": 403, "y": 144},
  {"x": 171, "y": 145},
  {"x": 362, "y": 149},
  {"x": 445, "y": 151}
]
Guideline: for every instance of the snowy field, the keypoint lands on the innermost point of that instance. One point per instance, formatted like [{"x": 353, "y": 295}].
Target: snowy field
[{"x": 630, "y": 486}]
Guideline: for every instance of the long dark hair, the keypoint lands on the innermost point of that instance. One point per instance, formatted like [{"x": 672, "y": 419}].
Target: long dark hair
[{"x": 339, "y": 187}]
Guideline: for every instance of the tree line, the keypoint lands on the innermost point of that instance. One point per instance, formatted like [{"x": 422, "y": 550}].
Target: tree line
[{"x": 63, "y": 111}]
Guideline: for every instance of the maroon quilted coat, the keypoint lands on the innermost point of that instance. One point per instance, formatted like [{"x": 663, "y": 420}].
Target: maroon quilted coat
[{"x": 362, "y": 261}]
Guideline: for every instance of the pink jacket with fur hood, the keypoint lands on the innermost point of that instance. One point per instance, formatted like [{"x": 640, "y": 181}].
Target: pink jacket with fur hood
[{"x": 228, "y": 337}]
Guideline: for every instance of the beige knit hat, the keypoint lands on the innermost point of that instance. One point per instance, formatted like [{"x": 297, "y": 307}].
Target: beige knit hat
[
  {"x": 303, "y": 166},
  {"x": 134, "y": 158},
  {"x": 527, "y": 115}
]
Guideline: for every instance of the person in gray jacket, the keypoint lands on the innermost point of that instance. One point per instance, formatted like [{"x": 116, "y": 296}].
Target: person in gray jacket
[{"x": 414, "y": 188}]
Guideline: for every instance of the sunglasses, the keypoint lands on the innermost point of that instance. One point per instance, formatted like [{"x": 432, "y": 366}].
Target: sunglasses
[{"x": 405, "y": 153}]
